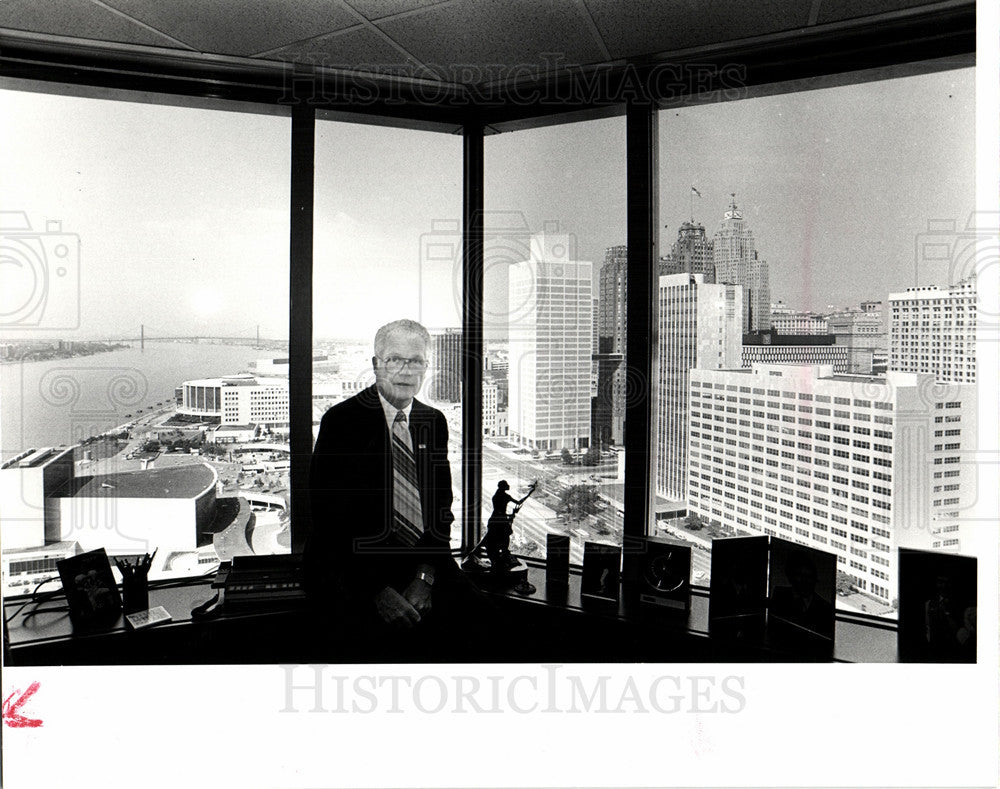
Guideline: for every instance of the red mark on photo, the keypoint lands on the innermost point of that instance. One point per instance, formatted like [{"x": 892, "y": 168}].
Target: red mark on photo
[{"x": 11, "y": 709}]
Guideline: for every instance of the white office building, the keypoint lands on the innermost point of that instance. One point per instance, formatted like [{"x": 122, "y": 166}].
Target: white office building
[
  {"x": 699, "y": 326},
  {"x": 785, "y": 320},
  {"x": 862, "y": 332},
  {"x": 855, "y": 465},
  {"x": 237, "y": 400},
  {"x": 934, "y": 331},
  {"x": 550, "y": 342}
]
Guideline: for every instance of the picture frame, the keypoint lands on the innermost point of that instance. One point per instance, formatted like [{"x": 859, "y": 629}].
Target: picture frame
[
  {"x": 737, "y": 597},
  {"x": 802, "y": 588},
  {"x": 601, "y": 572},
  {"x": 938, "y": 599},
  {"x": 91, "y": 592},
  {"x": 557, "y": 560},
  {"x": 665, "y": 574}
]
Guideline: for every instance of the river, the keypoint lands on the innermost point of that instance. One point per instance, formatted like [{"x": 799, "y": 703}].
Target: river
[{"x": 61, "y": 401}]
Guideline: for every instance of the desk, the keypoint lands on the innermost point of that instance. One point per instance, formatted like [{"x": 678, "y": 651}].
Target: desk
[
  {"x": 261, "y": 636},
  {"x": 548, "y": 626}
]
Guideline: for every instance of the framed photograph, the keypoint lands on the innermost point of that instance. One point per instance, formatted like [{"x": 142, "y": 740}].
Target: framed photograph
[
  {"x": 665, "y": 574},
  {"x": 602, "y": 565},
  {"x": 801, "y": 592},
  {"x": 937, "y": 607},
  {"x": 90, "y": 588},
  {"x": 737, "y": 597},
  {"x": 556, "y": 560}
]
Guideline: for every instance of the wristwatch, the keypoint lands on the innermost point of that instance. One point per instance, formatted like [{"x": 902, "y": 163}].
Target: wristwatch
[{"x": 426, "y": 577}]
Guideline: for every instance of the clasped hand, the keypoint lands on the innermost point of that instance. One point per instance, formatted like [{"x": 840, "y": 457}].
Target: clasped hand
[{"x": 404, "y": 610}]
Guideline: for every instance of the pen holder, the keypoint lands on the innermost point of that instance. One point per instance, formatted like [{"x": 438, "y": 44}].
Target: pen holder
[{"x": 135, "y": 592}]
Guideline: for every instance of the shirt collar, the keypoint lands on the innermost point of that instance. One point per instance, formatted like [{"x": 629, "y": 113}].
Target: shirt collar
[{"x": 391, "y": 411}]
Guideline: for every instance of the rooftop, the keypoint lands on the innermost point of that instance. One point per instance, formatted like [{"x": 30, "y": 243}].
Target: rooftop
[
  {"x": 34, "y": 458},
  {"x": 243, "y": 379},
  {"x": 179, "y": 482}
]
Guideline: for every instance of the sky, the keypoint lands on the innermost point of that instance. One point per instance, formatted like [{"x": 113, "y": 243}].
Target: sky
[{"x": 182, "y": 216}]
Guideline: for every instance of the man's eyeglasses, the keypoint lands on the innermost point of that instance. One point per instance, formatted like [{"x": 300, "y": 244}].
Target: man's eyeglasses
[{"x": 396, "y": 363}]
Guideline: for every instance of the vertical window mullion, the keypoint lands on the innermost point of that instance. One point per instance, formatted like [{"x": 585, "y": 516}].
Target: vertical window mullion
[
  {"x": 472, "y": 333},
  {"x": 642, "y": 216},
  {"x": 300, "y": 315}
]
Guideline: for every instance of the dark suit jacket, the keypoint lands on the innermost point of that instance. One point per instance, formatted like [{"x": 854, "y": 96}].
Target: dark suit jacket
[{"x": 351, "y": 553}]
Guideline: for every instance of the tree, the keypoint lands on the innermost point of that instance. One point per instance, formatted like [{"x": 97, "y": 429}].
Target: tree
[
  {"x": 593, "y": 457},
  {"x": 578, "y": 501},
  {"x": 844, "y": 583},
  {"x": 693, "y": 522},
  {"x": 567, "y": 458}
]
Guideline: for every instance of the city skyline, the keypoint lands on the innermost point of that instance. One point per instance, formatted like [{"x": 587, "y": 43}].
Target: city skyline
[{"x": 217, "y": 260}]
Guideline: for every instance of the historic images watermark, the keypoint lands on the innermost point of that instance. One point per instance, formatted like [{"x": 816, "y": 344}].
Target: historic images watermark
[
  {"x": 550, "y": 689},
  {"x": 549, "y": 82}
]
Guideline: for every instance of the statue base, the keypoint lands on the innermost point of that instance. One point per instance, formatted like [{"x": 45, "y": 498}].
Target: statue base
[{"x": 514, "y": 578}]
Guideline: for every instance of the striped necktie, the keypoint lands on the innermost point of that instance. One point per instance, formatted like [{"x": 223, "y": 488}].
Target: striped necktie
[{"x": 407, "y": 521}]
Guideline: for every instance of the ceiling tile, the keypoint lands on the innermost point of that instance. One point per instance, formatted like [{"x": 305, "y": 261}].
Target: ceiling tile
[
  {"x": 838, "y": 10},
  {"x": 644, "y": 27},
  {"x": 76, "y": 18},
  {"x": 376, "y": 9},
  {"x": 239, "y": 27},
  {"x": 361, "y": 50},
  {"x": 474, "y": 34}
]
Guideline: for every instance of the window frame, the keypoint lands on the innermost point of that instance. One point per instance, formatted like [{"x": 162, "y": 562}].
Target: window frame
[{"x": 859, "y": 51}]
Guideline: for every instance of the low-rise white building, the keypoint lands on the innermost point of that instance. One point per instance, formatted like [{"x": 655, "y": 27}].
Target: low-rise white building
[
  {"x": 237, "y": 400},
  {"x": 28, "y": 482},
  {"x": 137, "y": 512}
]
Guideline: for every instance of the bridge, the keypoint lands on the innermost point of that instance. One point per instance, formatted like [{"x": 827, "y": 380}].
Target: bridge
[{"x": 251, "y": 338}]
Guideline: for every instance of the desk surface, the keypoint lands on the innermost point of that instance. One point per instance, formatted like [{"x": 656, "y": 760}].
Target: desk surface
[{"x": 48, "y": 638}]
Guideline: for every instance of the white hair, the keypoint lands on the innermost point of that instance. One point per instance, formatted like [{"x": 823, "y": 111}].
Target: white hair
[{"x": 403, "y": 326}]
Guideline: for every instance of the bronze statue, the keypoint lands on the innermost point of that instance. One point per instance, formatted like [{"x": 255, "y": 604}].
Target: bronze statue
[{"x": 500, "y": 527}]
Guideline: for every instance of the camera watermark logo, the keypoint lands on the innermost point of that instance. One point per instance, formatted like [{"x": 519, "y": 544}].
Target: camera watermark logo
[
  {"x": 39, "y": 275},
  {"x": 963, "y": 256},
  {"x": 516, "y": 258}
]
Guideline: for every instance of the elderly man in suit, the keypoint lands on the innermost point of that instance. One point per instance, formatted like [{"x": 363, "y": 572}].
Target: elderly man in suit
[{"x": 378, "y": 558}]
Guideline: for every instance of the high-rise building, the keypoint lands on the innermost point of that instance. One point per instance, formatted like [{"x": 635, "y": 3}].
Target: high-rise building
[
  {"x": 691, "y": 253},
  {"x": 445, "y": 380},
  {"x": 489, "y": 407},
  {"x": 934, "y": 331},
  {"x": 613, "y": 294},
  {"x": 608, "y": 402},
  {"x": 607, "y": 416},
  {"x": 862, "y": 332},
  {"x": 854, "y": 465},
  {"x": 699, "y": 326},
  {"x": 734, "y": 253},
  {"x": 550, "y": 347}
]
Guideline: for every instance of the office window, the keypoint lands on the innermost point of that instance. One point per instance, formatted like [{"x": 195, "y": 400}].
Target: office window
[
  {"x": 387, "y": 245},
  {"x": 735, "y": 220},
  {"x": 555, "y": 330},
  {"x": 141, "y": 358}
]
